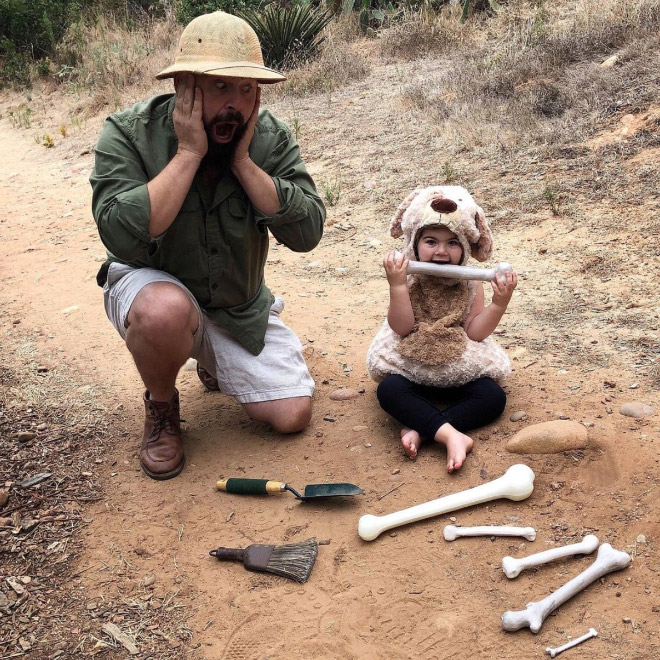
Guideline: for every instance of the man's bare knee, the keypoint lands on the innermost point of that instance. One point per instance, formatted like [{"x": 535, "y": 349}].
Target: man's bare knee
[
  {"x": 284, "y": 415},
  {"x": 161, "y": 310}
]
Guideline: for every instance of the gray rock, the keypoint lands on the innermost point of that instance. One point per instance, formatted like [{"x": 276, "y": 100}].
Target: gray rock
[
  {"x": 344, "y": 394},
  {"x": 549, "y": 438},
  {"x": 636, "y": 409},
  {"x": 517, "y": 416}
]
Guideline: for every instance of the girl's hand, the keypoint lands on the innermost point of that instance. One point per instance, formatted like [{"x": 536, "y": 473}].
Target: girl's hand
[
  {"x": 395, "y": 268},
  {"x": 503, "y": 286},
  {"x": 187, "y": 116},
  {"x": 241, "y": 152}
]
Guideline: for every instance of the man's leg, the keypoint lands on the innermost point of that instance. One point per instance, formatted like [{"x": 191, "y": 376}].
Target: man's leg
[
  {"x": 284, "y": 415},
  {"x": 274, "y": 387},
  {"x": 161, "y": 325}
]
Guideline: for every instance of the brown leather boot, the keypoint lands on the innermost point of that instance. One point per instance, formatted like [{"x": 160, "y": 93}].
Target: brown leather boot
[{"x": 161, "y": 454}]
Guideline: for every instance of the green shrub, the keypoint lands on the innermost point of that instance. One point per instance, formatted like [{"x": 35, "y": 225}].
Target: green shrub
[
  {"x": 186, "y": 10},
  {"x": 288, "y": 36}
]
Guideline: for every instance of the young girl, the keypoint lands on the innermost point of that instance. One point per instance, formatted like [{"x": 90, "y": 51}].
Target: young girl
[{"x": 435, "y": 346}]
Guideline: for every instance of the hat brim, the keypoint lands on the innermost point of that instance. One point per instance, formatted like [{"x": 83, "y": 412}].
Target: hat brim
[{"x": 261, "y": 74}]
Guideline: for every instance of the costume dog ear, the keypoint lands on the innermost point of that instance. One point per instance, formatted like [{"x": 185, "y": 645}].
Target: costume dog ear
[
  {"x": 483, "y": 248},
  {"x": 395, "y": 224}
]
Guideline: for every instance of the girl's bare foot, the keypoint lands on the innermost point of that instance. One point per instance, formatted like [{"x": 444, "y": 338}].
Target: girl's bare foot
[
  {"x": 410, "y": 441},
  {"x": 458, "y": 445}
]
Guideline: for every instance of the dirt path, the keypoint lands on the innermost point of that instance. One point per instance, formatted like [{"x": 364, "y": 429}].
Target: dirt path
[{"x": 409, "y": 594}]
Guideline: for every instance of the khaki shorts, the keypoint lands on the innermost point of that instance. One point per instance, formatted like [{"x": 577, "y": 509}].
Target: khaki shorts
[{"x": 278, "y": 372}]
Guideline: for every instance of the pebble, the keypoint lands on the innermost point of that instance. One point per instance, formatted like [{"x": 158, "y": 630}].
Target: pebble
[
  {"x": 396, "y": 471},
  {"x": 4, "y": 497},
  {"x": 636, "y": 409},
  {"x": 148, "y": 580},
  {"x": 329, "y": 418},
  {"x": 641, "y": 539},
  {"x": 517, "y": 416},
  {"x": 25, "y": 436},
  {"x": 549, "y": 438},
  {"x": 367, "y": 445},
  {"x": 344, "y": 394}
]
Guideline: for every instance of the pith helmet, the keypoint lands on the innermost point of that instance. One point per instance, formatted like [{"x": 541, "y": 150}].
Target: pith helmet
[{"x": 219, "y": 44}]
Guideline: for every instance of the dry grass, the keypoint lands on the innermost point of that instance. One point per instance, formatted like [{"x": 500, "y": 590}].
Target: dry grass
[
  {"x": 535, "y": 77},
  {"x": 54, "y": 431}
]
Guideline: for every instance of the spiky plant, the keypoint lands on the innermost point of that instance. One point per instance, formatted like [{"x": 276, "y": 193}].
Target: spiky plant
[{"x": 288, "y": 36}]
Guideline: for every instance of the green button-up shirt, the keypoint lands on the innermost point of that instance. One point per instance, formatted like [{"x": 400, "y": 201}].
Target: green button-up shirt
[{"x": 218, "y": 242}]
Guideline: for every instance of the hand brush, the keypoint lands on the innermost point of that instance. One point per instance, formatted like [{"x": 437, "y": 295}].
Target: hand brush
[{"x": 293, "y": 561}]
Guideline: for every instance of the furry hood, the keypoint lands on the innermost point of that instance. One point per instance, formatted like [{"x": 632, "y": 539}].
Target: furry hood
[{"x": 451, "y": 206}]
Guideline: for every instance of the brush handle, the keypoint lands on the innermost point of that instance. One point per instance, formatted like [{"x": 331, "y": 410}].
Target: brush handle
[
  {"x": 250, "y": 486},
  {"x": 228, "y": 554}
]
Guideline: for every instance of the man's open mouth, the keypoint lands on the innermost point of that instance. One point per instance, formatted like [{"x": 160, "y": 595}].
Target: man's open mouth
[{"x": 223, "y": 131}]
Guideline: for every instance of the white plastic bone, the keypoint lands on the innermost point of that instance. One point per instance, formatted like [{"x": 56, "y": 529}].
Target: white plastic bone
[
  {"x": 457, "y": 272},
  {"x": 607, "y": 561},
  {"x": 513, "y": 567},
  {"x": 517, "y": 483},
  {"x": 451, "y": 532},
  {"x": 574, "y": 642}
]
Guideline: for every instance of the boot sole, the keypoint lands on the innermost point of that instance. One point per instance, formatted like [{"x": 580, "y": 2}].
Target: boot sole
[{"x": 163, "y": 476}]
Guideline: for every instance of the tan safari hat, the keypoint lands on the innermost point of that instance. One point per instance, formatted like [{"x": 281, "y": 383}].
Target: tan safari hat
[{"x": 220, "y": 44}]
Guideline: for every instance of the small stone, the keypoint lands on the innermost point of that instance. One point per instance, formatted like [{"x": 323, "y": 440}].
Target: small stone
[
  {"x": 367, "y": 445},
  {"x": 42, "y": 427},
  {"x": 148, "y": 580},
  {"x": 549, "y": 438},
  {"x": 452, "y": 518},
  {"x": 4, "y": 497},
  {"x": 641, "y": 539},
  {"x": 517, "y": 416},
  {"x": 26, "y": 436},
  {"x": 329, "y": 418},
  {"x": 68, "y": 310},
  {"x": 610, "y": 61},
  {"x": 396, "y": 471},
  {"x": 626, "y": 619},
  {"x": 636, "y": 409},
  {"x": 344, "y": 394}
]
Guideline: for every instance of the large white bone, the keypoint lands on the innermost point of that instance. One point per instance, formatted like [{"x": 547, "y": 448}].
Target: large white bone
[
  {"x": 607, "y": 561},
  {"x": 452, "y": 532},
  {"x": 512, "y": 567},
  {"x": 516, "y": 483},
  {"x": 457, "y": 272}
]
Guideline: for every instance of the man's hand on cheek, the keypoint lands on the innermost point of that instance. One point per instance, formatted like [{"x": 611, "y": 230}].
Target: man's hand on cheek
[
  {"x": 187, "y": 116},
  {"x": 241, "y": 152}
]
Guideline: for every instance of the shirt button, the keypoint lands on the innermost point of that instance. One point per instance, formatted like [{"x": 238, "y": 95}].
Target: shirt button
[
  {"x": 214, "y": 251},
  {"x": 214, "y": 286}
]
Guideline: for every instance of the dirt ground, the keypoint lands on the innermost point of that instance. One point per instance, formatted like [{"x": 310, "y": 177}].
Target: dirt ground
[{"x": 582, "y": 333}]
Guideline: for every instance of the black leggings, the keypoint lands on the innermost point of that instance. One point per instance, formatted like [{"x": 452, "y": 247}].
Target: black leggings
[{"x": 470, "y": 406}]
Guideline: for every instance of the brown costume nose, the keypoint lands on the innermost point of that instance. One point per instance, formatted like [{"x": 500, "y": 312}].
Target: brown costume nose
[{"x": 442, "y": 205}]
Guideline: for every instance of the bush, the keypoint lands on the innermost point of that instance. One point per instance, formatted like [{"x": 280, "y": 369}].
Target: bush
[
  {"x": 288, "y": 36},
  {"x": 186, "y": 10}
]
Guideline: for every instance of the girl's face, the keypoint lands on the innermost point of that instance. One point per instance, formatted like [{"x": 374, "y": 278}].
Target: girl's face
[{"x": 439, "y": 245}]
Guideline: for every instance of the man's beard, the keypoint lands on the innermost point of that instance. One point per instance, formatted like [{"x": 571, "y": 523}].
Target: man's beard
[{"x": 218, "y": 156}]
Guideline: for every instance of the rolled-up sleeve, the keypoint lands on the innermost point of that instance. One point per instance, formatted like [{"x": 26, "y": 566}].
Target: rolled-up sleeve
[
  {"x": 299, "y": 222},
  {"x": 120, "y": 200}
]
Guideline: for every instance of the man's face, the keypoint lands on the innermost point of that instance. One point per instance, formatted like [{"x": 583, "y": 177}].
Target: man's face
[{"x": 228, "y": 104}]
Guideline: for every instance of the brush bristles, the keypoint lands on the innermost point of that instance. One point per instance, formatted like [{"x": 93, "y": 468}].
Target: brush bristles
[{"x": 294, "y": 560}]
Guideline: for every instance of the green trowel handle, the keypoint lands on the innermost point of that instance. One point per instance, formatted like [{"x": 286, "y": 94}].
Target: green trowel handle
[{"x": 250, "y": 486}]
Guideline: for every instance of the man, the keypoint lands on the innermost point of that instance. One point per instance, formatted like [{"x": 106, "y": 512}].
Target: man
[{"x": 186, "y": 188}]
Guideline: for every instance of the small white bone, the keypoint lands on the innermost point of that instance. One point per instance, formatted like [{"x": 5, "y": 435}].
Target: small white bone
[
  {"x": 516, "y": 483},
  {"x": 574, "y": 642},
  {"x": 512, "y": 567},
  {"x": 607, "y": 561},
  {"x": 451, "y": 532}
]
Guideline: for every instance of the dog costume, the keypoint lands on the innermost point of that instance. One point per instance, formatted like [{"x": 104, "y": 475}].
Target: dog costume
[{"x": 437, "y": 352}]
